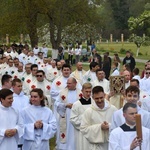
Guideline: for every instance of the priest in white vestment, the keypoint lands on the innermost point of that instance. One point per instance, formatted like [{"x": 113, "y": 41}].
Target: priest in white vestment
[
  {"x": 101, "y": 81},
  {"x": 23, "y": 56},
  {"x": 11, "y": 124},
  {"x": 31, "y": 58},
  {"x": 95, "y": 123},
  {"x": 61, "y": 82},
  {"x": 90, "y": 75},
  {"x": 77, "y": 111},
  {"x": 131, "y": 96},
  {"x": 125, "y": 137},
  {"x": 43, "y": 84},
  {"x": 29, "y": 79},
  {"x": 79, "y": 72},
  {"x": 65, "y": 130},
  {"x": 127, "y": 76},
  {"x": 52, "y": 73}
]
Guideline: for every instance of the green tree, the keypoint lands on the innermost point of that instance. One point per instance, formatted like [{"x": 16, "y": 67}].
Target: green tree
[
  {"x": 135, "y": 24},
  {"x": 139, "y": 41}
]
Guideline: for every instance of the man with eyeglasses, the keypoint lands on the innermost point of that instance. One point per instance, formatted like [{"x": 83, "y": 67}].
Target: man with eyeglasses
[
  {"x": 43, "y": 84},
  {"x": 145, "y": 82}
]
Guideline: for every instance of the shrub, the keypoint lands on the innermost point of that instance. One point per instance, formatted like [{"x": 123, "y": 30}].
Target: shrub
[{"x": 122, "y": 51}]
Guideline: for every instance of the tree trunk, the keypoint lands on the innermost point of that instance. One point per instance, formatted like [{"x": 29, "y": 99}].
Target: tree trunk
[
  {"x": 55, "y": 39},
  {"x": 137, "y": 52},
  {"x": 32, "y": 29}
]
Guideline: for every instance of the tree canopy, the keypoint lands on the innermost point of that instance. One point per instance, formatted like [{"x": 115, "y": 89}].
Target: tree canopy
[{"x": 104, "y": 16}]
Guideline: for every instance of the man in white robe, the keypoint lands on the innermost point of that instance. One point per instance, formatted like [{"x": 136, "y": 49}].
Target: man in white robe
[
  {"x": 125, "y": 136},
  {"x": 39, "y": 60},
  {"x": 29, "y": 79},
  {"x": 79, "y": 72},
  {"x": 52, "y": 73},
  {"x": 144, "y": 82},
  {"x": 6, "y": 81},
  {"x": 143, "y": 95},
  {"x": 61, "y": 82},
  {"x": 43, "y": 84},
  {"x": 44, "y": 50},
  {"x": 23, "y": 56},
  {"x": 19, "y": 73},
  {"x": 27, "y": 71},
  {"x": 131, "y": 96},
  {"x": 127, "y": 76},
  {"x": 10, "y": 69},
  {"x": 32, "y": 58},
  {"x": 101, "y": 81},
  {"x": 90, "y": 75},
  {"x": 77, "y": 111},
  {"x": 95, "y": 123},
  {"x": 11, "y": 125},
  {"x": 20, "y": 100},
  {"x": 36, "y": 50},
  {"x": 65, "y": 130}
]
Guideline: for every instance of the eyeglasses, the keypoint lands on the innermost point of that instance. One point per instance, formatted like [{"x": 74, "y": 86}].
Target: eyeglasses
[
  {"x": 147, "y": 72},
  {"x": 39, "y": 75}
]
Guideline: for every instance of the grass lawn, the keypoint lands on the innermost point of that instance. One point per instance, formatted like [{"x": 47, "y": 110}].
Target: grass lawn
[{"x": 115, "y": 48}]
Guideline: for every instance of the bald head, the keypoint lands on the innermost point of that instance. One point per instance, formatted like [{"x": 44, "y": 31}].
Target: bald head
[
  {"x": 71, "y": 83},
  {"x": 126, "y": 75},
  {"x": 79, "y": 66}
]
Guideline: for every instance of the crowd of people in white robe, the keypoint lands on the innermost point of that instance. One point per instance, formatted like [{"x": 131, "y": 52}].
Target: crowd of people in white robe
[{"x": 41, "y": 97}]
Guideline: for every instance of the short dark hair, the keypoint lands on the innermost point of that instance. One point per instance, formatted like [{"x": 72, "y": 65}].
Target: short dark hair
[
  {"x": 128, "y": 52},
  {"x": 40, "y": 71},
  {"x": 93, "y": 64},
  {"x": 135, "y": 80},
  {"x": 15, "y": 80},
  {"x": 127, "y": 105},
  {"x": 5, "y": 78},
  {"x": 136, "y": 71},
  {"x": 132, "y": 89},
  {"x": 34, "y": 66},
  {"x": 4, "y": 93},
  {"x": 97, "y": 89},
  {"x": 98, "y": 70},
  {"x": 41, "y": 95},
  {"x": 66, "y": 66}
]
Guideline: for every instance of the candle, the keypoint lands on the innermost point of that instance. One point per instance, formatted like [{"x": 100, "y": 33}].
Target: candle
[{"x": 138, "y": 126}]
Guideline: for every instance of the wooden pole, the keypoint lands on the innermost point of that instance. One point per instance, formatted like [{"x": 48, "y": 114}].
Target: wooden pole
[{"x": 139, "y": 127}]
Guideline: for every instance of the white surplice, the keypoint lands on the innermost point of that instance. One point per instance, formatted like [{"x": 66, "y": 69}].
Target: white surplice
[
  {"x": 120, "y": 140},
  {"x": 118, "y": 119},
  {"x": 89, "y": 76},
  {"x": 104, "y": 83},
  {"x": 45, "y": 85},
  {"x": 38, "y": 139},
  {"x": 10, "y": 119},
  {"x": 20, "y": 102},
  {"x": 91, "y": 122},
  {"x": 78, "y": 75},
  {"x": 75, "y": 118}
]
